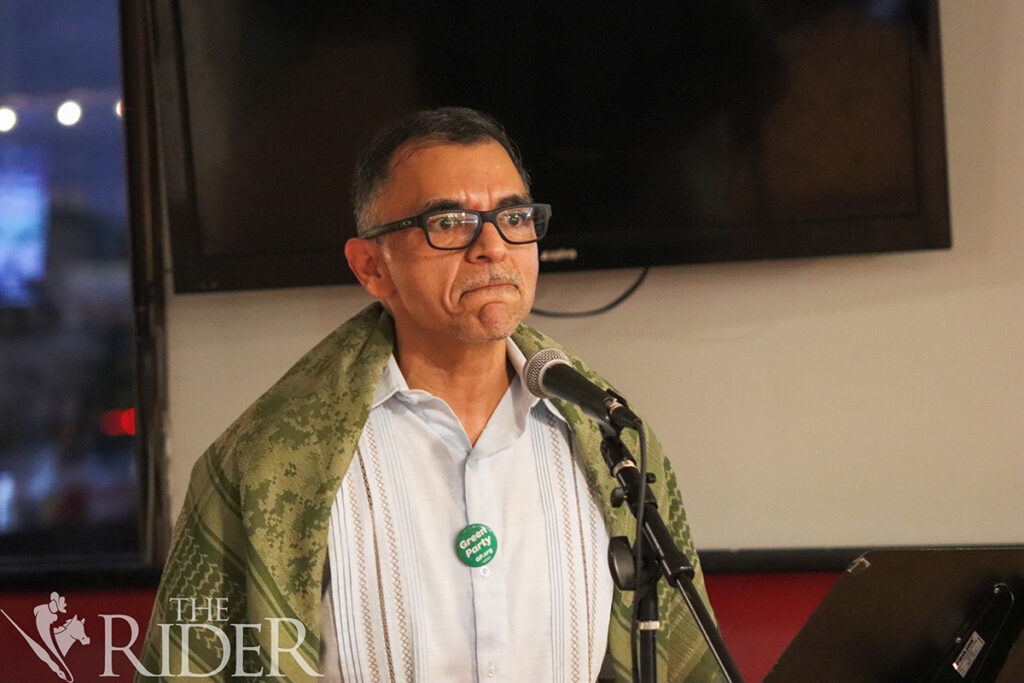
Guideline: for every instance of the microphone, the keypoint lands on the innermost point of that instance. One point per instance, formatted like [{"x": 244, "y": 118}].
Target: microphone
[{"x": 549, "y": 374}]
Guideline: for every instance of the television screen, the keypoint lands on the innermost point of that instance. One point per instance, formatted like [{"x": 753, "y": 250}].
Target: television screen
[{"x": 661, "y": 133}]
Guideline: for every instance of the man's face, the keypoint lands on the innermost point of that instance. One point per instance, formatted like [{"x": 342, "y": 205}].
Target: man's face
[{"x": 479, "y": 294}]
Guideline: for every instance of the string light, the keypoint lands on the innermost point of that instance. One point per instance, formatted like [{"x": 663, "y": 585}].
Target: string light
[
  {"x": 20, "y": 110},
  {"x": 69, "y": 113},
  {"x": 8, "y": 119}
]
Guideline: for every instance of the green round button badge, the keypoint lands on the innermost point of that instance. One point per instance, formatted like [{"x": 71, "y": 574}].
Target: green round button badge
[{"x": 476, "y": 545}]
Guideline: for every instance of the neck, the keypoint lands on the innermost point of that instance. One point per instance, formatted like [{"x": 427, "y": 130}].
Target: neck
[{"x": 470, "y": 378}]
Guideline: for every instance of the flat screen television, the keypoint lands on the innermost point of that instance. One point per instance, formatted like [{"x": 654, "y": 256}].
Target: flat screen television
[{"x": 661, "y": 132}]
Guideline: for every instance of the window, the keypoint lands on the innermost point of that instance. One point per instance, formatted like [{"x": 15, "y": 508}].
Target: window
[{"x": 69, "y": 474}]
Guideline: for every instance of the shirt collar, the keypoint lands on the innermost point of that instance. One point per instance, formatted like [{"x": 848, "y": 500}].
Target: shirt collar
[
  {"x": 518, "y": 361},
  {"x": 393, "y": 382}
]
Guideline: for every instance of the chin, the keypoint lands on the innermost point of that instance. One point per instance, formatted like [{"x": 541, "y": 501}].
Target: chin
[
  {"x": 490, "y": 333},
  {"x": 491, "y": 327}
]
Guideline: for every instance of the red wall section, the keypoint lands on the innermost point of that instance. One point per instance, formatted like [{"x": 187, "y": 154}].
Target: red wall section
[{"x": 759, "y": 614}]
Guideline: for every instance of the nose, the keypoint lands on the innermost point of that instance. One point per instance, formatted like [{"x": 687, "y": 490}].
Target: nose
[{"x": 489, "y": 246}]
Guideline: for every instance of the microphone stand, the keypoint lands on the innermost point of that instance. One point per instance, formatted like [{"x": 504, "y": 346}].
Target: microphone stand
[{"x": 660, "y": 558}]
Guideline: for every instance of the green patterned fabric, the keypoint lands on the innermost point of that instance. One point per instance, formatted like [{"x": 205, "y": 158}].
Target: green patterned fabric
[{"x": 253, "y": 528}]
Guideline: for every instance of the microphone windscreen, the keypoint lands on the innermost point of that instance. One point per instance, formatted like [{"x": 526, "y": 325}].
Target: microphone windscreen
[{"x": 535, "y": 367}]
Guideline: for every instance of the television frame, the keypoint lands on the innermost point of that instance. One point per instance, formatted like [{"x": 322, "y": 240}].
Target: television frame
[{"x": 926, "y": 228}]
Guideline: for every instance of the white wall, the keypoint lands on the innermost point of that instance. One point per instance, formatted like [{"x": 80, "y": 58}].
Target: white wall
[{"x": 844, "y": 401}]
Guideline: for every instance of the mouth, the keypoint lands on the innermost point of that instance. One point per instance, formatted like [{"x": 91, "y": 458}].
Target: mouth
[{"x": 490, "y": 286}]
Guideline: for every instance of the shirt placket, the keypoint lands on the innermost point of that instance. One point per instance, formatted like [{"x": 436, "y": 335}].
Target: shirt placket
[{"x": 490, "y": 598}]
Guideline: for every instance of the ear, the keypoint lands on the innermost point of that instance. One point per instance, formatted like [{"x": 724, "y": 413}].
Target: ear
[{"x": 367, "y": 262}]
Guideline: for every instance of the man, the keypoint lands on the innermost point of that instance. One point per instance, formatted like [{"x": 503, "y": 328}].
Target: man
[{"x": 397, "y": 506}]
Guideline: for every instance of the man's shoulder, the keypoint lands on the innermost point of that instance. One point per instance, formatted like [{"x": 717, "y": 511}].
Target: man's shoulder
[{"x": 319, "y": 397}]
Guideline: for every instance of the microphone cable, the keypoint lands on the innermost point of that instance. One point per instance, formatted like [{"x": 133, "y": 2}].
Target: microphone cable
[{"x": 638, "y": 550}]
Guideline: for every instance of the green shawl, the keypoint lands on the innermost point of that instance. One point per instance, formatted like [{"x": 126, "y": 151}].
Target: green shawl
[{"x": 254, "y": 524}]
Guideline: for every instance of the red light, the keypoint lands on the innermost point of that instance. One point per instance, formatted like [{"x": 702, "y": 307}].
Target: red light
[
  {"x": 128, "y": 422},
  {"x": 119, "y": 422},
  {"x": 112, "y": 423}
]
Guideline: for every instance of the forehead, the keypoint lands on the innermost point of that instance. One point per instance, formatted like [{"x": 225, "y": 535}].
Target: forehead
[{"x": 473, "y": 175}]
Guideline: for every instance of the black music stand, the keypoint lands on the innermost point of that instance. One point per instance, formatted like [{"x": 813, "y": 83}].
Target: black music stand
[{"x": 916, "y": 615}]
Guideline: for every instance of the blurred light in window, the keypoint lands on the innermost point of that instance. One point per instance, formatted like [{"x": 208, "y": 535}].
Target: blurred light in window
[
  {"x": 8, "y": 520},
  {"x": 119, "y": 422},
  {"x": 119, "y": 108},
  {"x": 8, "y": 119},
  {"x": 128, "y": 422},
  {"x": 24, "y": 208},
  {"x": 69, "y": 113}
]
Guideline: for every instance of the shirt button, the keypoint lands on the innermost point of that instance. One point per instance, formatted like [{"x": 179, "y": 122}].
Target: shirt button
[{"x": 485, "y": 572}]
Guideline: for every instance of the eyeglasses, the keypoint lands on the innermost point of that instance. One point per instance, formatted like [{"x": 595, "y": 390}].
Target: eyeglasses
[{"x": 454, "y": 229}]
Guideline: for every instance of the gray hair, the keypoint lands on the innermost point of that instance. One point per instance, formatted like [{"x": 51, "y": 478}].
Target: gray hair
[{"x": 455, "y": 125}]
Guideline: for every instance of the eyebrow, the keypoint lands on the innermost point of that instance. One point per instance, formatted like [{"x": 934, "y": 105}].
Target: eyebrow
[{"x": 444, "y": 204}]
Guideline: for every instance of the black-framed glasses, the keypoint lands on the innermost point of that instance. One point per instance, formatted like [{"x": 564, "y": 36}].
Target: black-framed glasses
[{"x": 458, "y": 228}]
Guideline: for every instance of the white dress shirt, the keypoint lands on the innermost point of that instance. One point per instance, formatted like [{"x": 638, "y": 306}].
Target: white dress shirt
[{"x": 401, "y": 606}]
